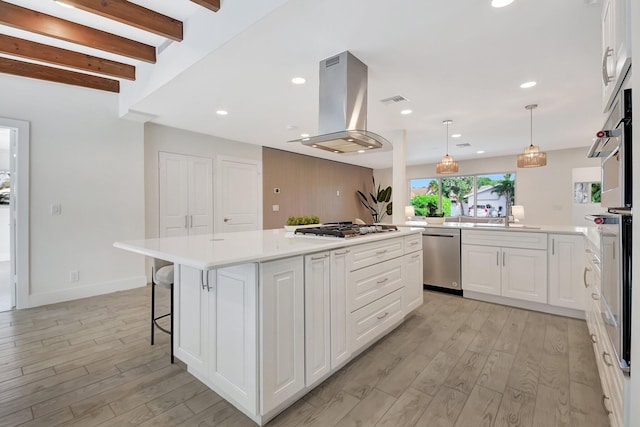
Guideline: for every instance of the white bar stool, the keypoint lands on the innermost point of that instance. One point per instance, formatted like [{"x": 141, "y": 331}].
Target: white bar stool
[{"x": 161, "y": 275}]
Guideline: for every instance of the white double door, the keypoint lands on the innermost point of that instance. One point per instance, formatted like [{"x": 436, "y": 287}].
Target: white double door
[{"x": 186, "y": 195}]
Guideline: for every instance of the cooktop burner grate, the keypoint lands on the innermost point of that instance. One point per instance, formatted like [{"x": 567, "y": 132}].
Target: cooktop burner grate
[{"x": 345, "y": 230}]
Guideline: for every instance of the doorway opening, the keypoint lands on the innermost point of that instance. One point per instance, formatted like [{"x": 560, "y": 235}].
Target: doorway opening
[{"x": 14, "y": 214}]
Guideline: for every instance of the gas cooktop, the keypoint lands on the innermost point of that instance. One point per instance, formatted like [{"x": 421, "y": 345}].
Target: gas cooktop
[{"x": 345, "y": 230}]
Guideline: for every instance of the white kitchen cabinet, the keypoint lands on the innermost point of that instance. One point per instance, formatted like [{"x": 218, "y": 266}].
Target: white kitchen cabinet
[
  {"x": 317, "y": 316},
  {"x": 232, "y": 335},
  {"x": 373, "y": 320},
  {"x": 510, "y": 264},
  {"x": 281, "y": 331},
  {"x": 412, "y": 277},
  {"x": 340, "y": 350},
  {"x": 566, "y": 270},
  {"x": 190, "y": 317},
  {"x": 185, "y": 195},
  {"x": 616, "y": 47},
  {"x": 370, "y": 283},
  {"x": 524, "y": 274},
  {"x": 481, "y": 271}
]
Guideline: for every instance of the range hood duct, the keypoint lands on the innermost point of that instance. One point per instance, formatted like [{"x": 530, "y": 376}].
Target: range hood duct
[{"x": 343, "y": 108}]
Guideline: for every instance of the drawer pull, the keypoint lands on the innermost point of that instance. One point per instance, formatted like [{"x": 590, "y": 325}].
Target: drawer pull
[
  {"x": 593, "y": 338},
  {"x": 382, "y": 280},
  {"x": 383, "y": 315},
  {"x": 316, "y": 258},
  {"x": 382, "y": 252},
  {"x": 604, "y": 404},
  {"x": 416, "y": 256},
  {"x": 415, "y": 242},
  {"x": 584, "y": 276},
  {"x": 343, "y": 253},
  {"x": 604, "y": 358},
  {"x": 595, "y": 296}
]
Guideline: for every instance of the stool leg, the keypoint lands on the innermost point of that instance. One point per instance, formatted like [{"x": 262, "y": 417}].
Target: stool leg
[
  {"x": 153, "y": 310},
  {"x": 171, "y": 317}
]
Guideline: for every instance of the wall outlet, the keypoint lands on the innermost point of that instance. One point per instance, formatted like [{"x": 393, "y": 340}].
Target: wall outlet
[
  {"x": 56, "y": 209},
  {"x": 276, "y": 208},
  {"x": 74, "y": 275},
  {"x": 337, "y": 192}
]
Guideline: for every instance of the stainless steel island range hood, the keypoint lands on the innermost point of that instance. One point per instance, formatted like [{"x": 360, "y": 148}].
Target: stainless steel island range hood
[{"x": 343, "y": 108}]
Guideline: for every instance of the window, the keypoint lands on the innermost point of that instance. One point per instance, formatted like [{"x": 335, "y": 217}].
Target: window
[{"x": 481, "y": 196}]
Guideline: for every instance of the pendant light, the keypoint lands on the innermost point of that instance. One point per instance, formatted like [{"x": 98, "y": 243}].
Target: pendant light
[
  {"x": 447, "y": 164},
  {"x": 532, "y": 156}
]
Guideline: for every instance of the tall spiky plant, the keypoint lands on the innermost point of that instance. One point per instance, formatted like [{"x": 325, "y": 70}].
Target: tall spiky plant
[{"x": 380, "y": 204}]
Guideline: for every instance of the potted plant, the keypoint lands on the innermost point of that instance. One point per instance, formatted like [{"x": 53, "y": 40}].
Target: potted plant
[
  {"x": 379, "y": 202},
  {"x": 294, "y": 222},
  {"x": 433, "y": 216}
]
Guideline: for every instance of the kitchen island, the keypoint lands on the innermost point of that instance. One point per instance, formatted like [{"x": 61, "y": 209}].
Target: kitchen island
[{"x": 263, "y": 317}]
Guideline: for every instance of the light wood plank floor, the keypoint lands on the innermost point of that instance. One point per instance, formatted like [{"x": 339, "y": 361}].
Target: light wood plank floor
[{"x": 455, "y": 362}]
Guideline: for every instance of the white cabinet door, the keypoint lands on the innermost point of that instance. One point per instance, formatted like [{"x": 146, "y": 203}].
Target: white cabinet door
[
  {"x": 190, "y": 321},
  {"x": 317, "y": 316},
  {"x": 232, "y": 317},
  {"x": 524, "y": 274},
  {"x": 340, "y": 351},
  {"x": 481, "y": 269},
  {"x": 282, "y": 330},
  {"x": 566, "y": 271},
  {"x": 412, "y": 278},
  {"x": 185, "y": 195},
  {"x": 173, "y": 194},
  {"x": 200, "y": 195}
]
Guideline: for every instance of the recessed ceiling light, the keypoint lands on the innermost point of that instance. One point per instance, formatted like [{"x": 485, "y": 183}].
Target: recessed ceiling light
[
  {"x": 304, "y": 135},
  {"x": 528, "y": 85},
  {"x": 405, "y": 112},
  {"x": 501, "y": 3},
  {"x": 63, "y": 4},
  {"x": 360, "y": 151},
  {"x": 314, "y": 146},
  {"x": 350, "y": 140},
  {"x": 305, "y": 139},
  {"x": 456, "y": 135},
  {"x": 480, "y": 152},
  {"x": 298, "y": 80},
  {"x": 335, "y": 151},
  {"x": 222, "y": 112}
]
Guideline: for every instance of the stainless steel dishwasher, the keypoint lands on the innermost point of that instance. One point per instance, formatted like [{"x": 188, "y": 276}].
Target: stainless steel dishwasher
[{"x": 441, "y": 266}]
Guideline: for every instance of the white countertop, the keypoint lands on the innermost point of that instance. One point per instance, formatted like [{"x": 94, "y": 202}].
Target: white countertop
[
  {"x": 218, "y": 250},
  {"x": 501, "y": 227}
]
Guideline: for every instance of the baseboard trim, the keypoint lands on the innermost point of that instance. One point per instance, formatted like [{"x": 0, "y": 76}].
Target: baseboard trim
[
  {"x": 527, "y": 305},
  {"x": 92, "y": 290}
]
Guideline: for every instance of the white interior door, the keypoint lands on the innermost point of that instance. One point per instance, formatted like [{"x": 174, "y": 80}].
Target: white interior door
[
  {"x": 174, "y": 195},
  {"x": 239, "y": 195},
  {"x": 200, "y": 202}
]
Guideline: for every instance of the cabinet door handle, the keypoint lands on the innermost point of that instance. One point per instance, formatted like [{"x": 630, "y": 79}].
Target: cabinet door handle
[
  {"x": 384, "y": 251},
  {"x": 416, "y": 256},
  {"x": 604, "y": 404},
  {"x": 606, "y": 78},
  {"x": 594, "y": 339},
  {"x": 503, "y": 260},
  {"x": 383, "y": 280},
  {"x": 186, "y": 221},
  {"x": 553, "y": 246},
  {"x": 316, "y": 258},
  {"x": 604, "y": 358},
  {"x": 227, "y": 219},
  {"x": 190, "y": 221},
  {"x": 595, "y": 296},
  {"x": 202, "y": 279},
  {"x": 383, "y": 316},
  {"x": 414, "y": 243},
  {"x": 584, "y": 276},
  {"x": 498, "y": 258},
  {"x": 343, "y": 253}
]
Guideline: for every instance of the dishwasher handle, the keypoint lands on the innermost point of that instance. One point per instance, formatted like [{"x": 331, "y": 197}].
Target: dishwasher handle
[{"x": 439, "y": 235}]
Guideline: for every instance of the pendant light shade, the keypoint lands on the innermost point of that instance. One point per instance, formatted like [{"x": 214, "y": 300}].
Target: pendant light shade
[
  {"x": 447, "y": 164},
  {"x": 532, "y": 156}
]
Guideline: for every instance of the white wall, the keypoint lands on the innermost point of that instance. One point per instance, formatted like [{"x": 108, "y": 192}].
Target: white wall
[
  {"x": 163, "y": 138},
  {"x": 91, "y": 162},
  {"x": 546, "y": 193}
]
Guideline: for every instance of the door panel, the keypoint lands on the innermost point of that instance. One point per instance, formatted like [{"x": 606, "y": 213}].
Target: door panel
[
  {"x": 481, "y": 269},
  {"x": 200, "y": 195},
  {"x": 239, "y": 195},
  {"x": 524, "y": 274},
  {"x": 173, "y": 184},
  {"x": 317, "y": 316}
]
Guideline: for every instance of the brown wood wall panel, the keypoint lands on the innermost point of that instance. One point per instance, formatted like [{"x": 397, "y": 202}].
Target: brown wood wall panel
[{"x": 309, "y": 186}]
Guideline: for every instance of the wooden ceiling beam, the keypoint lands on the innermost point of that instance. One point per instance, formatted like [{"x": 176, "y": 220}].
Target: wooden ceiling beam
[
  {"x": 67, "y": 58},
  {"x": 43, "y": 72},
  {"x": 213, "y": 5},
  {"x": 134, "y": 15},
  {"x": 30, "y": 20}
]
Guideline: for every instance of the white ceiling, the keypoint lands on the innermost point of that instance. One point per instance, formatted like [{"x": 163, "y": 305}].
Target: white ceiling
[{"x": 453, "y": 59}]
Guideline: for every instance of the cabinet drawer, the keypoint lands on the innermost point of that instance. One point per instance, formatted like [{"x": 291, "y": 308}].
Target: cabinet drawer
[
  {"x": 412, "y": 243},
  {"x": 368, "y": 284},
  {"x": 611, "y": 377},
  {"x": 375, "y": 252},
  {"x": 374, "y": 319},
  {"x": 507, "y": 239}
]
